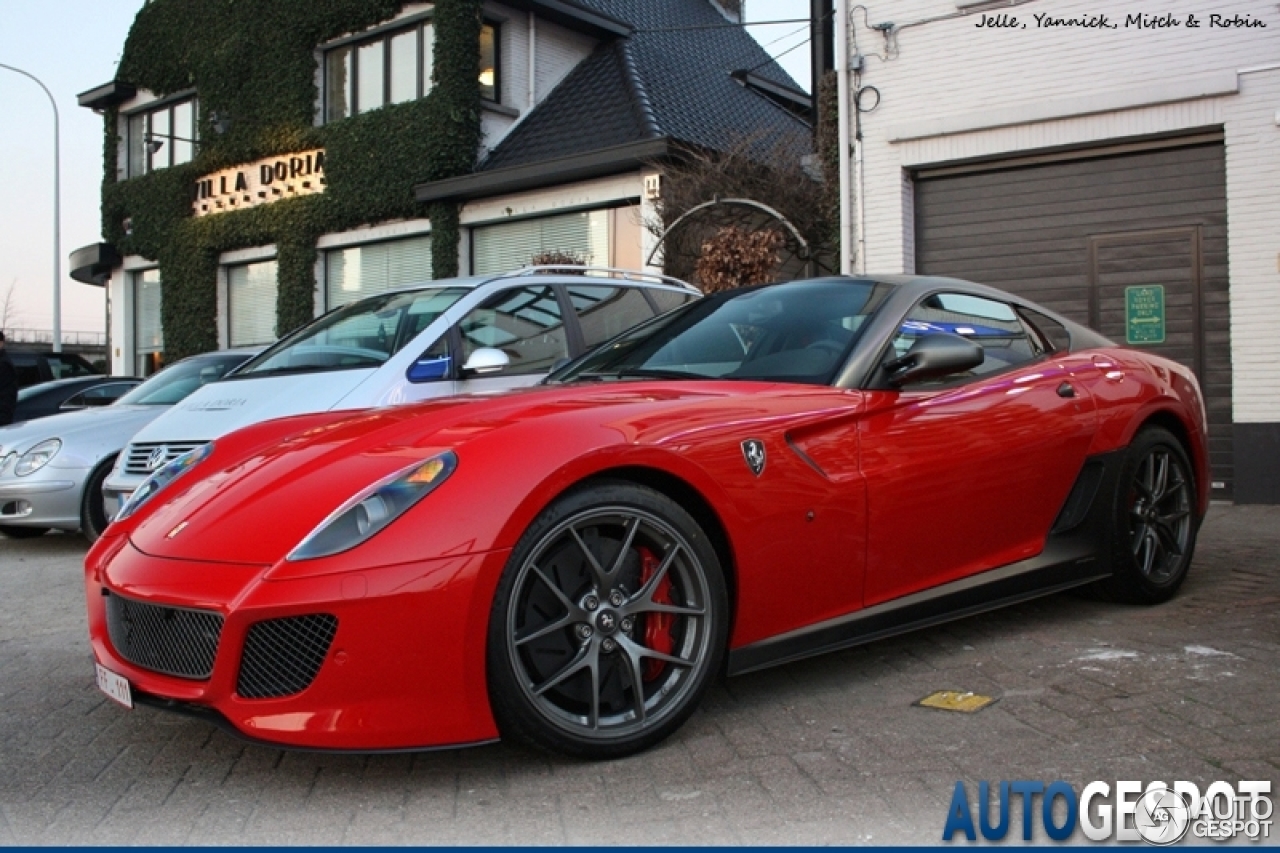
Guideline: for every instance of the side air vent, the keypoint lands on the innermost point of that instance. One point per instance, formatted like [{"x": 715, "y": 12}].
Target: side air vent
[{"x": 282, "y": 656}]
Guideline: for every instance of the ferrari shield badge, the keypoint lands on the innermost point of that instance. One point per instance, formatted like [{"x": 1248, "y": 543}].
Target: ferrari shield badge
[{"x": 753, "y": 452}]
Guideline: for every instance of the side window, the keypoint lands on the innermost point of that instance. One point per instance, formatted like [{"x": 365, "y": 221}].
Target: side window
[
  {"x": 28, "y": 371},
  {"x": 105, "y": 395},
  {"x": 666, "y": 300},
  {"x": 991, "y": 324},
  {"x": 1054, "y": 333},
  {"x": 525, "y": 323},
  {"x": 605, "y": 312},
  {"x": 63, "y": 368},
  {"x": 75, "y": 401}
]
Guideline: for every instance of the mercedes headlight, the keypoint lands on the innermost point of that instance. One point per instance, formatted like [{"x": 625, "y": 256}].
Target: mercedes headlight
[
  {"x": 371, "y": 510},
  {"x": 37, "y": 457},
  {"x": 165, "y": 475}
]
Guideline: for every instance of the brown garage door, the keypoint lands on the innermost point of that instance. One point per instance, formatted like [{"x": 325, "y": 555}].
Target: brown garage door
[{"x": 1097, "y": 237}]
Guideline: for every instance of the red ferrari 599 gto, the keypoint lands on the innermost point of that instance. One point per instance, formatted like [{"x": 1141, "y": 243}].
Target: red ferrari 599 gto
[{"x": 761, "y": 475}]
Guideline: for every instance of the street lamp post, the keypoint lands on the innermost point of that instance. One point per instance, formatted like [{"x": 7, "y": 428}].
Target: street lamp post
[{"x": 57, "y": 214}]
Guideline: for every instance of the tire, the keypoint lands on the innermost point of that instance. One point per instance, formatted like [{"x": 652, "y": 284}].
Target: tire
[
  {"x": 608, "y": 624},
  {"x": 93, "y": 509},
  {"x": 1155, "y": 523},
  {"x": 15, "y": 532}
]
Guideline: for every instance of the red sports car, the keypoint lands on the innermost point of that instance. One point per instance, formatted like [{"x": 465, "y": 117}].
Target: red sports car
[{"x": 759, "y": 476}]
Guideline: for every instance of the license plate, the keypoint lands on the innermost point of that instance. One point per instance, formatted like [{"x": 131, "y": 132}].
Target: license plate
[{"x": 115, "y": 686}]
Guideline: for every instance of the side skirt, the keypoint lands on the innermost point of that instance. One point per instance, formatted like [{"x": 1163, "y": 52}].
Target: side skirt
[{"x": 1077, "y": 552}]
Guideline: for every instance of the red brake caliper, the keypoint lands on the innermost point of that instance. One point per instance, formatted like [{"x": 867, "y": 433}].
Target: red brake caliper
[{"x": 657, "y": 626}]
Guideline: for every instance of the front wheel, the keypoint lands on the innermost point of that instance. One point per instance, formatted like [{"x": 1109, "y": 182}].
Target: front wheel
[
  {"x": 1155, "y": 520},
  {"x": 608, "y": 624},
  {"x": 93, "y": 507}
]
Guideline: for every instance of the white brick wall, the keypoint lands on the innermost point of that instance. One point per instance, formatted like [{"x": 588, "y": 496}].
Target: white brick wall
[{"x": 951, "y": 91}]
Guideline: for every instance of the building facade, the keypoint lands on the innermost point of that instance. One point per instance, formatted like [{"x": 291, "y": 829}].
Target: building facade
[
  {"x": 1119, "y": 165},
  {"x": 299, "y": 155}
]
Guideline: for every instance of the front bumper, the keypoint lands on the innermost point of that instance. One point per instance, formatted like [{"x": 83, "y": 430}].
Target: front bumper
[
  {"x": 405, "y": 668},
  {"x": 48, "y": 498}
]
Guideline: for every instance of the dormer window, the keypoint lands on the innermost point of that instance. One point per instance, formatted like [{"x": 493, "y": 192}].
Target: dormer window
[
  {"x": 160, "y": 136},
  {"x": 388, "y": 68}
]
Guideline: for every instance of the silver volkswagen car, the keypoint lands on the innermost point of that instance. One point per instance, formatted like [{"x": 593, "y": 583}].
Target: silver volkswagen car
[{"x": 52, "y": 469}]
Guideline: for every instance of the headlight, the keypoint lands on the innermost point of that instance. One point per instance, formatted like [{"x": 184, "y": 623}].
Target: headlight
[
  {"x": 374, "y": 508},
  {"x": 37, "y": 457},
  {"x": 161, "y": 478}
]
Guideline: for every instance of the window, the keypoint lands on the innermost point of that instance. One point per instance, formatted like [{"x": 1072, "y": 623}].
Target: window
[
  {"x": 511, "y": 245},
  {"x": 99, "y": 395},
  {"x": 360, "y": 271},
  {"x": 160, "y": 137},
  {"x": 490, "y": 82},
  {"x": 360, "y": 335},
  {"x": 251, "y": 304},
  {"x": 387, "y": 68},
  {"x": 1055, "y": 334},
  {"x": 769, "y": 334},
  {"x": 606, "y": 312},
  {"x": 989, "y": 323},
  {"x": 525, "y": 323},
  {"x": 148, "y": 336}
]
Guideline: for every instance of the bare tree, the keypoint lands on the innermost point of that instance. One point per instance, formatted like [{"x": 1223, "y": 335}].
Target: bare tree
[
  {"x": 8, "y": 307},
  {"x": 748, "y": 169}
]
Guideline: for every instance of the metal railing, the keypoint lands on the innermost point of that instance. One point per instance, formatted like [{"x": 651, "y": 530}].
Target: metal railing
[{"x": 45, "y": 336}]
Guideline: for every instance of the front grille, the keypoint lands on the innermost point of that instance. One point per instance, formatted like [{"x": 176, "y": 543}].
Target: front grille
[
  {"x": 282, "y": 656},
  {"x": 138, "y": 459},
  {"x": 172, "y": 640}
]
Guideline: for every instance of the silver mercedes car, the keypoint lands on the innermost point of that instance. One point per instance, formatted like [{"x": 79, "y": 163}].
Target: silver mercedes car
[{"x": 52, "y": 469}]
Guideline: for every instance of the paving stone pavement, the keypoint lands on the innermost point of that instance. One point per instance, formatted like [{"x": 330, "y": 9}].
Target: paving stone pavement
[{"x": 825, "y": 751}]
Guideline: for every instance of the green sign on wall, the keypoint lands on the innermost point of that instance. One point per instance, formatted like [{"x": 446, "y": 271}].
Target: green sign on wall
[{"x": 1144, "y": 314}]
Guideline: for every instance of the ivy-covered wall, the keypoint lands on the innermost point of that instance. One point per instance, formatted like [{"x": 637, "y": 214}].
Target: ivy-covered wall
[{"x": 255, "y": 64}]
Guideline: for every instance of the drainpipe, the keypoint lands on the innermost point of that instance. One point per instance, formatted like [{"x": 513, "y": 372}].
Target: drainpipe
[
  {"x": 533, "y": 66},
  {"x": 844, "y": 133}
]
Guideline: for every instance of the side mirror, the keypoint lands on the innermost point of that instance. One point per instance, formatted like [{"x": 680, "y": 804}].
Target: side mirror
[
  {"x": 486, "y": 360},
  {"x": 934, "y": 356}
]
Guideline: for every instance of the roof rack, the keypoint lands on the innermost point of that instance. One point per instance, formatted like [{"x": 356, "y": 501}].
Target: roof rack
[{"x": 607, "y": 272}]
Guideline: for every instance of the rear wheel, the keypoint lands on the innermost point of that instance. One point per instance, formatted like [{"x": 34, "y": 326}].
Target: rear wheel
[
  {"x": 608, "y": 625},
  {"x": 15, "y": 532},
  {"x": 93, "y": 507},
  {"x": 1155, "y": 523}
]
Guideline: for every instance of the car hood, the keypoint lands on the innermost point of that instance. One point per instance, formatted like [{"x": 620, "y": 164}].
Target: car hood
[
  {"x": 220, "y": 407},
  {"x": 106, "y": 424},
  {"x": 266, "y": 487}
]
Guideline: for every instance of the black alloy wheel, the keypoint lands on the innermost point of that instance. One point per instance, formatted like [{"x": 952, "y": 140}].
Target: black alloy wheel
[
  {"x": 608, "y": 625},
  {"x": 1156, "y": 521}
]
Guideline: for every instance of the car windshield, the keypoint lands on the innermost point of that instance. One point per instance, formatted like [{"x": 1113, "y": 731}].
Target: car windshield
[
  {"x": 797, "y": 332},
  {"x": 362, "y": 334},
  {"x": 175, "y": 382}
]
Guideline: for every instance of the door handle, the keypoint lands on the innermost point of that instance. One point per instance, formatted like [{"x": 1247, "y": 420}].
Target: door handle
[{"x": 1065, "y": 390}]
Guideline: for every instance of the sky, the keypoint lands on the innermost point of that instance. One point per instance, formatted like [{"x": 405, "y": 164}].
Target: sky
[{"x": 73, "y": 46}]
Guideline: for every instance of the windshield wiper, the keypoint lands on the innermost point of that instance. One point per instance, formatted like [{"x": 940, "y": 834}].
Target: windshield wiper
[{"x": 656, "y": 373}]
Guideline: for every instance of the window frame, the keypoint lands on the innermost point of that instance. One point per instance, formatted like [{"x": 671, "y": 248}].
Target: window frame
[
  {"x": 496, "y": 26},
  {"x": 419, "y": 24},
  {"x": 147, "y": 112}
]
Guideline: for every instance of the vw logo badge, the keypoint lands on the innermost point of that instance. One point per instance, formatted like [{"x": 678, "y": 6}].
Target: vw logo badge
[
  {"x": 753, "y": 452},
  {"x": 156, "y": 459}
]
